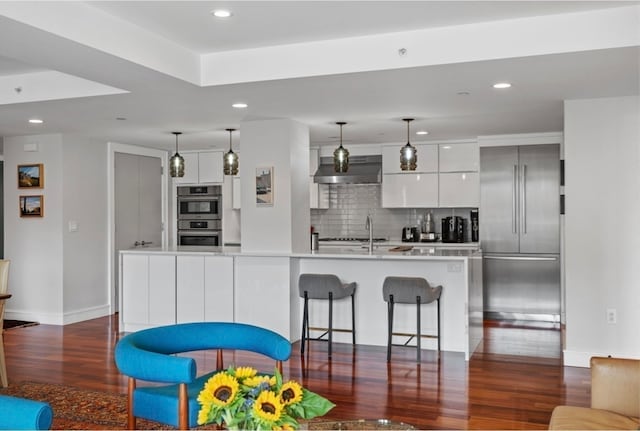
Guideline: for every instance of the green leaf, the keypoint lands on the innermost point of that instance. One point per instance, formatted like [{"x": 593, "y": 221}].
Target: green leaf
[{"x": 314, "y": 405}]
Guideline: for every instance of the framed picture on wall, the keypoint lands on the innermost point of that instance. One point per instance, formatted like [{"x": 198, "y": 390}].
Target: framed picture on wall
[
  {"x": 264, "y": 186},
  {"x": 31, "y": 206},
  {"x": 31, "y": 176}
]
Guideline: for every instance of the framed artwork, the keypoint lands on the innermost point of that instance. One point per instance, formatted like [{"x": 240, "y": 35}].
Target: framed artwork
[
  {"x": 264, "y": 186},
  {"x": 31, "y": 176},
  {"x": 31, "y": 206}
]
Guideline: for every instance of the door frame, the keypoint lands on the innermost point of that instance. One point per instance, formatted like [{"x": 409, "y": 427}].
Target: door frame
[{"x": 112, "y": 148}]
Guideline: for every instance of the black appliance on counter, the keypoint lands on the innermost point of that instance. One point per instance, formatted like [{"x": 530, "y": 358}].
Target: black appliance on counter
[
  {"x": 410, "y": 234},
  {"x": 454, "y": 229},
  {"x": 475, "y": 226}
]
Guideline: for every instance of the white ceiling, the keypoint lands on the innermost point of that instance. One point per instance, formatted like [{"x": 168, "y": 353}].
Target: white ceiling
[{"x": 147, "y": 62}]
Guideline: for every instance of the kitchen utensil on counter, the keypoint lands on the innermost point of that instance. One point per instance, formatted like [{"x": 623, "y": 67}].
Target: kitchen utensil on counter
[
  {"x": 315, "y": 241},
  {"x": 428, "y": 226},
  {"x": 428, "y": 237}
]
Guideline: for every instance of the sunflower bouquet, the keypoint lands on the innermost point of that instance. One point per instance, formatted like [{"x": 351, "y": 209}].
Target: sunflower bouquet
[{"x": 243, "y": 399}]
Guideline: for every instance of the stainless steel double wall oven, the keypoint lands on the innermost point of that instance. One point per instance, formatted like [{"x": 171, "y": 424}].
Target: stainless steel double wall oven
[{"x": 200, "y": 215}]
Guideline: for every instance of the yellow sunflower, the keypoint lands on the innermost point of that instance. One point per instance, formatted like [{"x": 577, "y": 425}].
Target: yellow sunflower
[
  {"x": 256, "y": 380},
  {"x": 245, "y": 372},
  {"x": 291, "y": 393},
  {"x": 203, "y": 414},
  {"x": 220, "y": 390},
  {"x": 268, "y": 407}
]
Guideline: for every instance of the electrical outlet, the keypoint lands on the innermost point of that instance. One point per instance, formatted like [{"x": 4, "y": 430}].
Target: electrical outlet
[{"x": 612, "y": 315}]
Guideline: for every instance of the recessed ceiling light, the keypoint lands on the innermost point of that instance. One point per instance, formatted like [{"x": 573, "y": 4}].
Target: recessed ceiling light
[
  {"x": 240, "y": 105},
  {"x": 35, "y": 121},
  {"x": 222, "y": 13},
  {"x": 502, "y": 85},
  {"x": 422, "y": 132}
]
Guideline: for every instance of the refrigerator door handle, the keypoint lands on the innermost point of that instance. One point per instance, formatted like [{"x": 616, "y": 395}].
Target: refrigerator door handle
[
  {"x": 530, "y": 258},
  {"x": 514, "y": 200},
  {"x": 524, "y": 199}
]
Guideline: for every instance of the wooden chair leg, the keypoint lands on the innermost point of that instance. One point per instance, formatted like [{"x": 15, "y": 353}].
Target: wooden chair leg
[
  {"x": 183, "y": 407},
  {"x": 353, "y": 318},
  {"x": 219, "y": 360},
  {"x": 131, "y": 419}
]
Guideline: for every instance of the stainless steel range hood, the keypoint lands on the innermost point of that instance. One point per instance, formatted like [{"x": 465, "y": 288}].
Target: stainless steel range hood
[{"x": 362, "y": 170}]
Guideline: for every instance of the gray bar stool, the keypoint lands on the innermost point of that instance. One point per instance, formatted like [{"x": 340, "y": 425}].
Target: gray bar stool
[
  {"x": 409, "y": 290},
  {"x": 325, "y": 286}
]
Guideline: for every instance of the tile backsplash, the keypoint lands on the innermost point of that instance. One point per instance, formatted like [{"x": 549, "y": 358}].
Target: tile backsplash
[{"x": 349, "y": 205}]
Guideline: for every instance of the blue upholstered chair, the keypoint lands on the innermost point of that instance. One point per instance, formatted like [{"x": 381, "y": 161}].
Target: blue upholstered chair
[
  {"x": 148, "y": 355},
  {"x": 24, "y": 414}
]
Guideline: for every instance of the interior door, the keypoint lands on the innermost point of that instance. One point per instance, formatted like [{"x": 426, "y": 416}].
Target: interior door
[
  {"x": 499, "y": 195},
  {"x": 540, "y": 199},
  {"x": 138, "y": 205}
]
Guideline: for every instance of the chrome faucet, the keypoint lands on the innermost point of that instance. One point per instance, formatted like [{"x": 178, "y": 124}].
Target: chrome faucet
[{"x": 369, "y": 225}]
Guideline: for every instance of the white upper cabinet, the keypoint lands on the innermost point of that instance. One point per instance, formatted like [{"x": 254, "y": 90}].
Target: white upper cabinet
[
  {"x": 427, "y": 159},
  {"x": 318, "y": 193},
  {"x": 459, "y": 189},
  {"x": 459, "y": 157},
  {"x": 410, "y": 190},
  {"x": 202, "y": 167}
]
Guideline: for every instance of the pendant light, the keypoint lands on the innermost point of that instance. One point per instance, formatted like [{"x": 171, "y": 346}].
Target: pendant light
[
  {"x": 176, "y": 163},
  {"x": 408, "y": 153},
  {"x": 230, "y": 159},
  {"x": 341, "y": 154}
]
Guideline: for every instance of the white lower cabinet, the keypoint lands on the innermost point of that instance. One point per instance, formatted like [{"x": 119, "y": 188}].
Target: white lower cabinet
[
  {"x": 218, "y": 289},
  {"x": 204, "y": 289},
  {"x": 459, "y": 189},
  {"x": 189, "y": 289},
  {"x": 162, "y": 290},
  {"x": 148, "y": 291},
  {"x": 410, "y": 190}
]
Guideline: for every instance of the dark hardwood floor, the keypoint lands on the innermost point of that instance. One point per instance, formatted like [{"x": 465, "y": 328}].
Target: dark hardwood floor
[{"x": 513, "y": 381}]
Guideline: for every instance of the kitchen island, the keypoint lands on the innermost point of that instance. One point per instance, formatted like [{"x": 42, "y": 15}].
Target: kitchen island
[{"x": 161, "y": 286}]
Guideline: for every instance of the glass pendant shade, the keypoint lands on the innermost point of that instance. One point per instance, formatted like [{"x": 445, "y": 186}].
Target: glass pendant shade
[
  {"x": 408, "y": 153},
  {"x": 341, "y": 155},
  {"x": 176, "y": 163},
  {"x": 231, "y": 159}
]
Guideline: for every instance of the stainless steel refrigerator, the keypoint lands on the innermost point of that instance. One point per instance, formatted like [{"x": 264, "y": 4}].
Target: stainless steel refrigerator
[{"x": 520, "y": 231}]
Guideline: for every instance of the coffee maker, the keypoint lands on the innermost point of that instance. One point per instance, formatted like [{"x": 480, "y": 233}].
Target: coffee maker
[{"x": 454, "y": 229}]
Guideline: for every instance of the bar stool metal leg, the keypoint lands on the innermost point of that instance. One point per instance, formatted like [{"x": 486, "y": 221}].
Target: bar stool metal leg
[
  {"x": 305, "y": 323},
  {"x": 389, "y": 326},
  {"x": 418, "y": 328},
  {"x": 438, "y": 304},
  {"x": 330, "y": 321},
  {"x": 353, "y": 318}
]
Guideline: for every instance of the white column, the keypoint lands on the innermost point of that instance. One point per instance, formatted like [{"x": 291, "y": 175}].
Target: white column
[{"x": 284, "y": 225}]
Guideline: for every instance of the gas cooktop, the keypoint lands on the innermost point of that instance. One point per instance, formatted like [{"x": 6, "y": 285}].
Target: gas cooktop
[{"x": 352, "y": 238}]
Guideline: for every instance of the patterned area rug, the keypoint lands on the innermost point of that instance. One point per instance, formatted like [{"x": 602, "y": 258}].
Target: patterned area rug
[{"x": 80, "y": 409}]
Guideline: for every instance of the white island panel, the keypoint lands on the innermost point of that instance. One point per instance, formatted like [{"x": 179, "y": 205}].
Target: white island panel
[{"x": 262, "y": 291}]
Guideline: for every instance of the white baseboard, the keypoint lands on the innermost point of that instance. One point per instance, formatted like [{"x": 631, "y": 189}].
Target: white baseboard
[
  {"x": 59, "y": 319},
  {"x": 582, "y": 359}
]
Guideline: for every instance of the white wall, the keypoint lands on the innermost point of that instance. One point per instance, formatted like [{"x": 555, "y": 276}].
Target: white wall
[
  {"x": 602, "y": 228},
  {"x": 85, "y": 251},
  {"x": 34, "y": 245},
  {"x": 283, "y": 145},
  {"x": 57, "y": 276}
]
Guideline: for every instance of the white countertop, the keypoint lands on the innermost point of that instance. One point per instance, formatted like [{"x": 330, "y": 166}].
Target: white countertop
[{"x": 352, "y": 251}]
